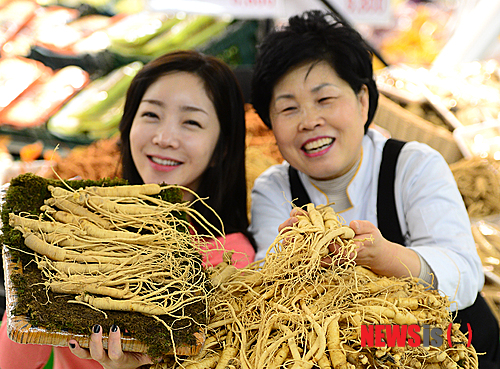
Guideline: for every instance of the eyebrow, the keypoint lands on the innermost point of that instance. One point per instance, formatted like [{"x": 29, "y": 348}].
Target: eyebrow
[
  {"x": 319, "y": 87},
  {"x": 315, "y": 89},
  {"x": 188, "y": 108}
]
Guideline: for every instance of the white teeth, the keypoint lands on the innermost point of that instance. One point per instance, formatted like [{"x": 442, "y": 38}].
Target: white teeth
[
  {"x": 318, "y": 144},
  {"x": 164, "y": 162}
]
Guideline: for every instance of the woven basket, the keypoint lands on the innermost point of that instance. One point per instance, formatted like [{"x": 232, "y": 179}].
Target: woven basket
[{"x": 407, "y": 126}]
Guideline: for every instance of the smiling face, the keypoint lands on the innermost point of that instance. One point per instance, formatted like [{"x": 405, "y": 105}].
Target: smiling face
[
  {"x": 318, "y": 120},
  {"x": 175, "y": 131}
]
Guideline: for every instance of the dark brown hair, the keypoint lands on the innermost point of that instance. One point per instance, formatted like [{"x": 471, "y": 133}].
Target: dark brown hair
[
  {"x": 307, "y": 38},
  {"x": 223, "y": 183}
]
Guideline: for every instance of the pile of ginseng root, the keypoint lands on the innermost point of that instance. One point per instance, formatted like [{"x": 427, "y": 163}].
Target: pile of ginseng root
[
  {"x": 290, "y": 311},
  {"x": 119, "y": 248},
  {"x": 478, "y": 180}
]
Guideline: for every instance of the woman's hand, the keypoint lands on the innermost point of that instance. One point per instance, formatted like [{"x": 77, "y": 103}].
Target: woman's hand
[
  {"x": 292, "y": 220},
  {"x": 380, "y": 255},
  {"x": 114, "y": 357}
]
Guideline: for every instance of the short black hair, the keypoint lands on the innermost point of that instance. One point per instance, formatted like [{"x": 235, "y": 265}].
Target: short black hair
[
  {"x": 311, "y": 37},
  {"x": 223, "y": 182}
]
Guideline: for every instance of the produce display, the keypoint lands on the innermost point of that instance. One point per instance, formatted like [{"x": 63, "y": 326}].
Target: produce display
[
  {"x": 16, "y": 75},
  {"x": 487, "y": 236},
  {"x": 284, "y": 312},
  {"x": 261, "y": 150},
  {"x": 100, "y": 251},
  {"x": 277, "y": 311},
  {"x": 78, "y": 240},
  {"x": 42, "y": 24},
  {"x": 486, "y": 233},
  {"x": 471, "y": 90},
  {"x": 461, "y": 96},
  {"x": 96, "y": 111},
  {"x": 135, "y": 30},
  {"x": 418, "y": 34},
  {"x": 100, "y": 159},
  {"x": 44, "y": 97},
  {"x": 149, "y": 35},
  {"x": 478, "y": 180},
  {"x": 13, "y": 16},
  {"x": 39, "y": 41},
  {"x": 260, "y": 136}
]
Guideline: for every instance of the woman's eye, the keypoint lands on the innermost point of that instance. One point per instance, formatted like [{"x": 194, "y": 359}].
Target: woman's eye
[
  {"x": 149, "y": 114},
  {"x": 324, "y": 99},
  {"x": 193, "y": 123},
  {"x": 288, "y": 108}
]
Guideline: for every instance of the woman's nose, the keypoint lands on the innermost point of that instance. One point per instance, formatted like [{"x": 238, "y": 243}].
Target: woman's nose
[
  {"x": 165, "y": 138},
  {"x": 310, "y": 119}
]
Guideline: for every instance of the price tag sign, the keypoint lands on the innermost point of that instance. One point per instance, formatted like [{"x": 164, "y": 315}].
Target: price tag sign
[
  {"x": 257, "y": 9},
  {"x": 371, "y": 12},
  {"x": 356, "y": 11},
  {"x": 367, "y": 11}
]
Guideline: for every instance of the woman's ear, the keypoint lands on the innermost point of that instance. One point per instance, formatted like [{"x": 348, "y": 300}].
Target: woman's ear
[{"x": 364, "y": 100}]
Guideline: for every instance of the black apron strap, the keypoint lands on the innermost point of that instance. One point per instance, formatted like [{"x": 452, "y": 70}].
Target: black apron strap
[
  {"x": 484, "y": 326},
  {"x": 300, "y": 197},
  {"x": 387, "y": 215},
  {"x": 485, "y": 332}
]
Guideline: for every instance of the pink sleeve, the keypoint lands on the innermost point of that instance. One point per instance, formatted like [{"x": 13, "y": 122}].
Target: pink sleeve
[
  {"x": 15, "y": 355},
  {"x": 244, "y": 252}
]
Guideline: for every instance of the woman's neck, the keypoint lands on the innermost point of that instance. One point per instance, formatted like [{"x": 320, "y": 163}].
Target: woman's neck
[{"x": 336, "y": 189}]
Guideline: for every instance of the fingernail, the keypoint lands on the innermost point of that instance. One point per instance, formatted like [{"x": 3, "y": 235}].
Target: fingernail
[
  {"x": 96, "y": 328},
  {"x": 114, "y": 328},
  {"x": 72, "y": 345}
]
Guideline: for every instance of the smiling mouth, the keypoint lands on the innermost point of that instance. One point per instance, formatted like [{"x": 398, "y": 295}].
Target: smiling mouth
[
  {"x": 315, "y": 146},
  {"x": 166, "y": 162}
]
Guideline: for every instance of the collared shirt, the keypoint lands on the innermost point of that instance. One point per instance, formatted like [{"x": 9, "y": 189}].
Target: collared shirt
[{"x": 430, "y": 208}]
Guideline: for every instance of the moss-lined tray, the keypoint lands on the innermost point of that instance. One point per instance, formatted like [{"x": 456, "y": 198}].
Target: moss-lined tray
[{"x": 38, "y": 316}]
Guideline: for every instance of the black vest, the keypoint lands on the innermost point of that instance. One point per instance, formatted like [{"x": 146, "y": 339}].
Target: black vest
[{"x": 485, "y": 331}]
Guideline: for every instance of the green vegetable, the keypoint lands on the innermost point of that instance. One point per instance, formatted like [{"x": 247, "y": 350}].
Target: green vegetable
[
  {"x": 199, "y": 38},
  {"x": 175, "y": 37},
  {"x": 98, "y": 107},
  {"x": 137, "y": 29}
]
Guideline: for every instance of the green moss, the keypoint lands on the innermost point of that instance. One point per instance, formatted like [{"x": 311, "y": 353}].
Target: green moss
[{"x": 26, "y": 193}]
